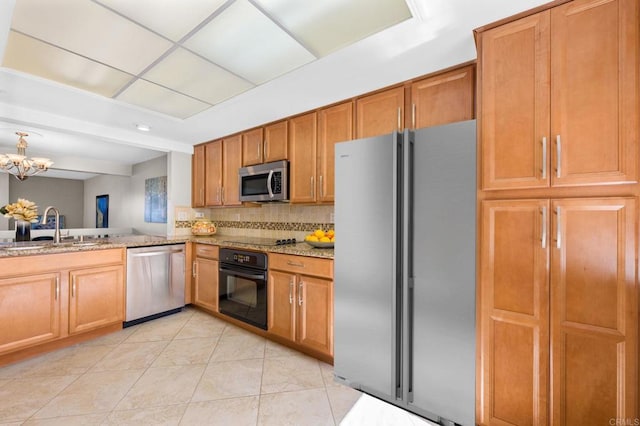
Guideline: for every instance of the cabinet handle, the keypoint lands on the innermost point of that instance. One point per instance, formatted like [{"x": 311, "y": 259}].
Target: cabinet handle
[
  {"x": 544, "y": 228},
  {"x": 299, "y": 265},
  {"x": 264, "y": 150},
  {"x": 413, "y": 116},
  {"x": 73, "y": 286},
  {"x": 399, "y": 118},
  {"x": 218, "y": 193},
  {"x": 559, "y": 156},
  {"x": 544, "y": 157},
  {"x": 201, "y": 196},
  {"x": 57, "y": 293},
  {"x": 321, "y": 191},
  {"x": 222, "y": 191},
  {"x": 313, "y": 187},
  {"x": 259, "y": 152},
  {"x": 193, "y": 269},
  {"x": 558, "y": 231},
  {"x": 291, "y": 291},
  {"x": 300, "y": 293}
]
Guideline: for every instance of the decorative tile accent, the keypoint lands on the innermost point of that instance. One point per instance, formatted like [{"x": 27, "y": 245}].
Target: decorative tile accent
[{"x": 272, "y": 226}]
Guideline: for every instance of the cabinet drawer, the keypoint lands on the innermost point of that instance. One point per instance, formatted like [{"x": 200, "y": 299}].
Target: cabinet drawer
[
  {"x": 206, "y": 250},
  {"x": 302, "y": 265}
]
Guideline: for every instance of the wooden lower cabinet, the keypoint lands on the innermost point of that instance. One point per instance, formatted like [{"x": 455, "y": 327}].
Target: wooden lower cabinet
[
  {"x": 558, "y": 303},
  {"x": 205, "y": 277},
  {"x": 96, "y": 298},
  {"x": 29, "y": 310},
  {"x": 301, "y": 304},
  {"x": 50, "y": 297}
]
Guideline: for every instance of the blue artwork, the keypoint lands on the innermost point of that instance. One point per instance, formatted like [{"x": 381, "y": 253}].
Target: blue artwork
[
  {"x": 51, "y": 222},
  {"x": 155, "y": 200},
  {"x": 102, "y": 211}
]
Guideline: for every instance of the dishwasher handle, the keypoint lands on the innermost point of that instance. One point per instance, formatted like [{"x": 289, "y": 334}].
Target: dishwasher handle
[{"x": 155, "y": 253}]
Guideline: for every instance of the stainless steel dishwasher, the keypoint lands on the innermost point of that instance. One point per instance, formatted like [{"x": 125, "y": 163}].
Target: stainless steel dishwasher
[{"x": 155, "y": 282}]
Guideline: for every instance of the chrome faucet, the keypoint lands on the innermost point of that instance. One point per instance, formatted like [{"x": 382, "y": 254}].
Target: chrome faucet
[{"x": 56, "y": 235}]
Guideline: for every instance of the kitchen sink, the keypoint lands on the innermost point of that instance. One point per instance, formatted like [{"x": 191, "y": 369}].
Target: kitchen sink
[
  {"x": 84, "y": 244},
  {"x": 22, "y": 248}
]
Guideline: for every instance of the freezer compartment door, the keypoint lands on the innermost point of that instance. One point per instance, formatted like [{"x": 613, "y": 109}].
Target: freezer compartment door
[
  {"x": 365, "y": 324},
  {"x": 442, "y": 327}
]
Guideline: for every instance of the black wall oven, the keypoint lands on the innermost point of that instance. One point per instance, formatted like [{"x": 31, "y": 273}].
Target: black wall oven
[{"x": 243, "y": 286}]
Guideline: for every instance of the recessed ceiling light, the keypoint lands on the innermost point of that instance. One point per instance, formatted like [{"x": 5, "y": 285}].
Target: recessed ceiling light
[{"x": 143, "y": 127}]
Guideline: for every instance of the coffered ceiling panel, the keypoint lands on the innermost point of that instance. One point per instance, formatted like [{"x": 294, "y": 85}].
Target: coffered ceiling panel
[
  {"x": 188, "y": 73},
  {"x": 64, "y": 67},
  {"x": 172, "y": 18},
  {"x": 90, "y": 30},
  {"x": 157, "y": 98},
  {"x": 246, "y": 42},
  {"x": 326, "y": 26}
]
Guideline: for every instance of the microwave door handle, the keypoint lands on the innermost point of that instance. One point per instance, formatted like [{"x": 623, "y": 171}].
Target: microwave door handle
[{"x": 269, "y": 179}]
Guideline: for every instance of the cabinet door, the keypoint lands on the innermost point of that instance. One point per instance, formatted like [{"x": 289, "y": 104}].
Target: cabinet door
[
  {"x": 29, "y": 311},
  {"x": 594, "y": 297},
  {"x": 335, "y": 124},
  {"x": 276, "y": 142},
  {"x": 197, "y": 179},
  {"x": 206, "y": 284},
  {"x": 514, "y": 313},
  {"x": 232, "y": 156},
  {"x": 96, "y": 298},
  {"x": 594, "y": 96},
  {"x": 444, "y": 98},
  {"x": 315, "y": 313},
  {"x": 302, "y": 150},
  {"x": 281, "y": 299},
  {"x": 213, "y": 173},
  {"x": 514, "y": 69},
  {"x": 252, "y": 147},
  {"x": 380, "y": 113}
]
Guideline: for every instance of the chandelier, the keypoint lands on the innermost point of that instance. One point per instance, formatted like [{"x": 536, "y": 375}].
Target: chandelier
[{"x": 19, "y": 165}]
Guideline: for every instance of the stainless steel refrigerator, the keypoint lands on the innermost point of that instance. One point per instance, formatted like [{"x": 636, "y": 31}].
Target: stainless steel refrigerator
[{"x": 405, "y": 221}]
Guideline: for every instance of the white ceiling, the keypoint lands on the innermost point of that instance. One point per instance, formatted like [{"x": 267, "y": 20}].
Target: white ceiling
[{"x": 81, "y": 74}]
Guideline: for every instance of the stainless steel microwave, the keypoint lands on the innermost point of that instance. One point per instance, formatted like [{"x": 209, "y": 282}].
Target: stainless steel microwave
[{"x": 264, "y": 182}]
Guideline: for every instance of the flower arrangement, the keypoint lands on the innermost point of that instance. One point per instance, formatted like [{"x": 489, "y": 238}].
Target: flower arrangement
[{"x": 21, "y": 210}]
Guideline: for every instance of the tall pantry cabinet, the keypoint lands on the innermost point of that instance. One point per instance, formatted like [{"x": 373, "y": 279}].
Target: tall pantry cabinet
[{"x": 558, "y": 252}]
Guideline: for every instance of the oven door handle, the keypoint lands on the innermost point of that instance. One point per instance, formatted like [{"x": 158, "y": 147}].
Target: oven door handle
[{"x": 242, "y": 274}]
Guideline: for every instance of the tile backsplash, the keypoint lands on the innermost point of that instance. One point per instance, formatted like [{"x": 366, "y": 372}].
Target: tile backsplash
[{"x": 266, "y": 220}]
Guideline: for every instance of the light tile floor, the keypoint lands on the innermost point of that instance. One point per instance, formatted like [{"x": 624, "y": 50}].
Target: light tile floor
[{"x": 185, "y": 369}]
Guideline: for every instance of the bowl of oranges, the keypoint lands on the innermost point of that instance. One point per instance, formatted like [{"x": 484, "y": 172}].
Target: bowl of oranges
[{"x": 321, "y": 239}]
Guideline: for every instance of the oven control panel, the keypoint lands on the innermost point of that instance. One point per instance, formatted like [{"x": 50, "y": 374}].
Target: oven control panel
[{"x": 243, "y": 258}]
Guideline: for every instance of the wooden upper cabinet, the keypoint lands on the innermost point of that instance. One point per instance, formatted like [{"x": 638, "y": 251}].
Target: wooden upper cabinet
[
  {"x": 594, "y": 311},
  {"x": 302, "y": 150},
  {"x": 594, "y": 91},
  {"x": 276, "y": 142},
  {"x": 513, "y": 69},
  {"x": 252, "y": 147},
  {"x": 380, "y": 113},
  {"x": 559, "y": 97},
  {"x": 335, "y": 124},
  {"x": 444, "y": 98},
  {"x": 213, "y": 173},
  {"x": 232, "y": 161},
  {"x": 197, "y": 182},
  {"x": 514, "y": 313}
]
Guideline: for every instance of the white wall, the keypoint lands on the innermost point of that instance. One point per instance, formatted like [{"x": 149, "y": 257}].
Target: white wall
[
  {"x": 178, "y": 186},
  {"x": 117, "y": 187},
  {"x": 64, "y": 194},
  {"x": 135, "y": 200}
]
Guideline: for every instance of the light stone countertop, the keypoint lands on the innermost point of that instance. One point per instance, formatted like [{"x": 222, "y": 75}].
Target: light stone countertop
[{"x": 47, "y": 247}]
